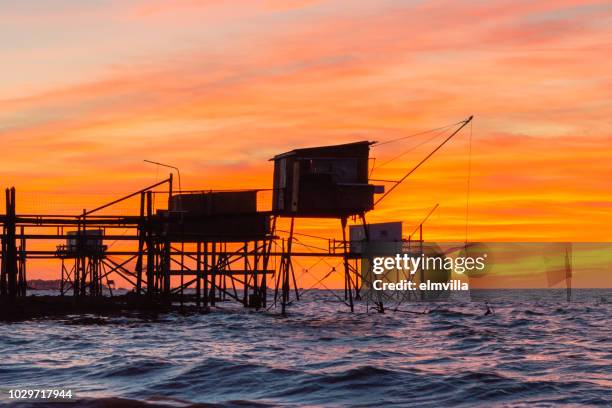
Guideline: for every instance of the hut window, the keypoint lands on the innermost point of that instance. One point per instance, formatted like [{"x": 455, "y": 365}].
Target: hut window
[
  {"x": 343, "y": 170},
  {"x": 282, "y": 183}
]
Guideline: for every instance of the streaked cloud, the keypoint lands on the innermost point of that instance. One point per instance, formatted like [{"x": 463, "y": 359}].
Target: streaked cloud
[{"x": 90, "y": 90}]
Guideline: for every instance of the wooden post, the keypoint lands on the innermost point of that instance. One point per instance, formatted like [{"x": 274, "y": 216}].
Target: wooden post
[
  {"x": 150, "y": 246},
  {"x": 198, "y": 273},
  {"x": 167, "y": 251},
  {"x": 141, "y": 242},
  {"x": 422, "y": 272},
  {"x": 347, "y": 272},
  {"x": 213, "y": 276},
  {"x": 245, "y": 297},
  {"x": 206, "y": 297},
  {"x": 82, "y": 248},
  {"x": 256, "y": 294},
  {"x": 222, "y": 275},
  {"x": 11, "y": 249},
  {"x": 165, "y": 269},
  {"x": 63, "y": 279},
  {"x": 3, "y": 280},
  {"x": 22, "y": 282},
  {"x": 77, "y": 262},
  {"x": 286, "y": 269},
  {"x": 182, "y": 292}
]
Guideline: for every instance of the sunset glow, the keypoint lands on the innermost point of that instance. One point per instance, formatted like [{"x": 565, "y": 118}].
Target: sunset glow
[{"x": 90, "y": 89}]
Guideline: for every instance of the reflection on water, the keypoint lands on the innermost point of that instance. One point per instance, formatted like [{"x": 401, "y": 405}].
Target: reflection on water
[{"x": 546, "y": 352}]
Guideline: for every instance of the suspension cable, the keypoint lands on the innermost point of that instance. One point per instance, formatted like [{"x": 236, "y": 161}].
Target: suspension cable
[
  {"x": 463, "y": 124},
  {"x": 469, "y": 179},
  {"x": 411, "y": 149},
  {"x": 377, "y": 144}
]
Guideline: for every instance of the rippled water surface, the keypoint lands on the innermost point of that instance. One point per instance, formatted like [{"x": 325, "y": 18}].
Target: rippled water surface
[{"x": 527, "y": 353}]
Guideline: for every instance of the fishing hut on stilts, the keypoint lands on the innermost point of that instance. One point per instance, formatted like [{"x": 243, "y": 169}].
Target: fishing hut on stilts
[
  {"x": 194, "y": 249},
  {"x": 322, "y": 182}
]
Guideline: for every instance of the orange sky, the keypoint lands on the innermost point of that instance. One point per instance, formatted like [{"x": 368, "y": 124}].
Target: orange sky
[{"x": 88, "y": 90}]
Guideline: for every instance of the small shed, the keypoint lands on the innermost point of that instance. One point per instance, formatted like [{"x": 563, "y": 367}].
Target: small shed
[
  {"x": 215, "y": 216},
  {"x": 215, "y": 202},
  {"x": 384, "y": 237},
  {"x": 326, "y": 182},
  {"x": 84, "y": 242}
]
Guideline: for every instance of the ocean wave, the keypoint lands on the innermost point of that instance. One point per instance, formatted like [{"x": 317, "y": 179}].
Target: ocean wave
[{"x": 522, "y": 355}]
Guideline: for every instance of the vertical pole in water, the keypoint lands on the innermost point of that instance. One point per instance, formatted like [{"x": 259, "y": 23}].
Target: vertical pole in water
[
  {"x": 77, "y": 261},
  {"x": 206, "y": 275},
  {"x": 91, "y": 266},
  {"x": 141, "y": 240},
  {"x": 422, "y": 272},
  {"x": 278, "y": 275},
  {"x": 286, "y": 269},
  {"x": 245, "y": 296},
  {"x": 3, "y": 282},
  {"x": 167, "y": 265},
  {"x": 95, "y": 279},
  {"x": 164, "y": 270},
  {"x": 86, "y": 266},
  {"x": 366, "y": 231},
  {"x": 12, "y": 248},
  {"x": 11, "y": 244},
  {"x": 198, "y": 273},
  {"x": 83, "y": 242},
  {"x": 60, "y": 231},
  {"x": 182, "y": 271},
  {"x": 98, "y": 275},
  {"x": 150, "y": 248},
  {"x": 346, "y": 283},
  {"x": 226, "y": 268},
  {"x": 267, "y": 251},
  {"x": 213, "y": 264},
  {"x": 568, "y": 274},
  {"x": 23, "y": 281},
  {"x": 347, "y": 272},
  {"x": 96, "y": 282},
  {"x": 19, "y": 248},
  {"x": 256, "y": 292},
  {"x": 295, "y": 285},
  {"x": 63, "y": 278}
]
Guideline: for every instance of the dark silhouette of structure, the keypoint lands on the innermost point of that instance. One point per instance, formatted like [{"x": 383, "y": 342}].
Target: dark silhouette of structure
[
  {"x": 323, "y": 182},
  {"x": 217, "y": 242},
  {"x": 85, "y": 248}
]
